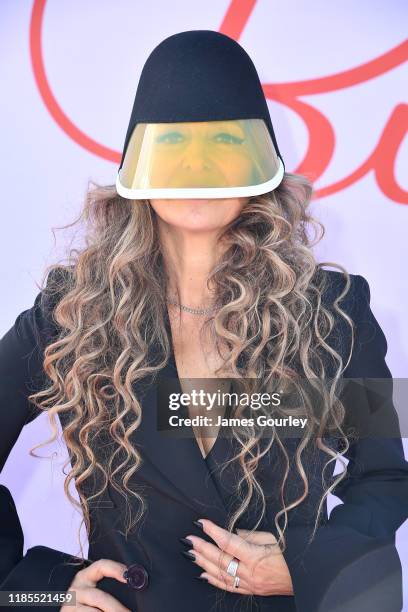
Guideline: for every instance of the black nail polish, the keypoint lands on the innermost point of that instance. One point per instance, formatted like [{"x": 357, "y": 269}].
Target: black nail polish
[
  {"x": 199, "y": 524},
  {"x": 188, "y": 555},
  {"x": 186, "y": 541},
  {"x": 201, "y": 578}
]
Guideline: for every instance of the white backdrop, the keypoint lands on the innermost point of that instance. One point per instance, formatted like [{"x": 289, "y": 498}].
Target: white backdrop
[{"x": 336, "y": 78}]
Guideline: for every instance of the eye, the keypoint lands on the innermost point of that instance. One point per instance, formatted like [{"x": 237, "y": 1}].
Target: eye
[
  {"x": 171, "y": 137},
  {"x": 225, "y": 138}
]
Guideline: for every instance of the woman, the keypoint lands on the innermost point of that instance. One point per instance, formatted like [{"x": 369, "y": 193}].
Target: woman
[{"x": 169, "y": 291}]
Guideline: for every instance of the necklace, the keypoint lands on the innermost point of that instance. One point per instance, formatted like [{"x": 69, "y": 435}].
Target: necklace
[{"x": 198, "y": 311}]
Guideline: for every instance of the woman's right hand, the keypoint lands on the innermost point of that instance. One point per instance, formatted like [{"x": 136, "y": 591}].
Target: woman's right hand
[{"x": 88, "y": 597}]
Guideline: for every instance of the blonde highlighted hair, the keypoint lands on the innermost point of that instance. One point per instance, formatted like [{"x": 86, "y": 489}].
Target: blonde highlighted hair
[{"x": 111, "y": 308}]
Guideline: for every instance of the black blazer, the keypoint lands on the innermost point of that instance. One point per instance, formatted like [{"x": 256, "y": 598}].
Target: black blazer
[{"x": 351, "y": 565}]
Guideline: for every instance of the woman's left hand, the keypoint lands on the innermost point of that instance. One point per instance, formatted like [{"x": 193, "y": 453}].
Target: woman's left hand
[{"x": 262, "y": 568}]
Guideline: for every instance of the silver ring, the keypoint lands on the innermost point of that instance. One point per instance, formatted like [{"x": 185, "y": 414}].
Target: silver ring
[
  {"x": 233, "y": 566},
  {"x": 236, "y": 582}
]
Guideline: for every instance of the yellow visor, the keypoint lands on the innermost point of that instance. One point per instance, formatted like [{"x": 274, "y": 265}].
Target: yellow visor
[{"x": 205, "y": 159}]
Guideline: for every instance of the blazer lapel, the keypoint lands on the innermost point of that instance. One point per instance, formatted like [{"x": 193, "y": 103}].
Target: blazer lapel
[{"x": 176, "y": 456}]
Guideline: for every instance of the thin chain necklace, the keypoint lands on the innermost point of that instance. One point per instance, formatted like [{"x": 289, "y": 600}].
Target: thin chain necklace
[{"x": 197, "y": 311}]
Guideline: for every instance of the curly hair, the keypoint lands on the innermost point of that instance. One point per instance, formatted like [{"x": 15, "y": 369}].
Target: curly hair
[{"x": 112, "y": 309}]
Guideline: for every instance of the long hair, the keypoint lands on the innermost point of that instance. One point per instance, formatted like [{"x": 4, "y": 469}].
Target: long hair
[{"x": 112, "y": 308}]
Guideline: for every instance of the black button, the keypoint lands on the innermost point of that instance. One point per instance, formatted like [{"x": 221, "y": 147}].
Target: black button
[{"x": 136, "y": 576}]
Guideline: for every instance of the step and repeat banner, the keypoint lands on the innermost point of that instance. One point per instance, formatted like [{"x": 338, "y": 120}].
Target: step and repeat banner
[{"x": 335, "y": 77}]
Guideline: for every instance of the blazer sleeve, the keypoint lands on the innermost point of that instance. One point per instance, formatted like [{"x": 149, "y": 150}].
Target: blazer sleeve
[
  {"x": 352, "y": 564},
  {"x": 21, "y": 373}
]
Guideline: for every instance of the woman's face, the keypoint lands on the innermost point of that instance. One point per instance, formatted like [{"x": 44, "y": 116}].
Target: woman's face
[
  {"x": 199, "y": 215},
  {"x": 202, "y": 154}
]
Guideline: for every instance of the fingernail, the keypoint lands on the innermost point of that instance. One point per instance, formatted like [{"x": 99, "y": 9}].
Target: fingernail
[
  {"x": 199, "y": 524},
  {"x": 201, "y": 578},
  {"x": 187, "y": 542},
  {"x": 188, "y": 555}
]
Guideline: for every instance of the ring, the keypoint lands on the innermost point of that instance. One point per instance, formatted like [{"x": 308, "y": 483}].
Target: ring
[
  {"x": 236, "y": 582},
  {"x": 233, "y": 566}
]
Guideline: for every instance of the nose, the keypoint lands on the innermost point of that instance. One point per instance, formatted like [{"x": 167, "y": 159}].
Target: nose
[
  {"x": 195, "y": 158},
  {"x": 136, "y": 576}
]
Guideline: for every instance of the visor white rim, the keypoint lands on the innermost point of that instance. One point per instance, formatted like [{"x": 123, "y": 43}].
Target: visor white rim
[{"x": 202, "y": 192}]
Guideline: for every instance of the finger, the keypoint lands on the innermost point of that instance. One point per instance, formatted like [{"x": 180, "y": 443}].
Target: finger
[
  {"x": 91, "y": 596},
  {"x": 211, "y": 553},
  {"x": 221, "y": 585},
  {"x": 90, "y": 575},
  {"x": 227, "y": 541},
  {"x": 79, "y": 607},
  {"x": 257, "y": 537},
  {"x": 217, "y": 572}
]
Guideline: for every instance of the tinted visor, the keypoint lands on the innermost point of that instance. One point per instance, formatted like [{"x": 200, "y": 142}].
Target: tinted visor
[{"x": 206, "y": 159}]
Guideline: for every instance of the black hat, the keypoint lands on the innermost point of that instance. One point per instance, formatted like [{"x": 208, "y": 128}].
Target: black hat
[{"x": 198, "y": 76}]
